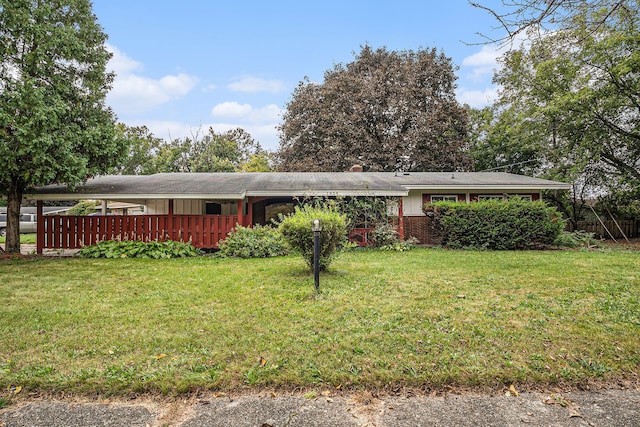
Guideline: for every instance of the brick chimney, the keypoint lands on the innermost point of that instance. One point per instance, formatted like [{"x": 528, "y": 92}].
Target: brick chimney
[{"x": 356, "y": 168}]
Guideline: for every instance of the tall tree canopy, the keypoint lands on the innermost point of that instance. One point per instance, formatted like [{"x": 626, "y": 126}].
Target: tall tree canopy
[
  {"x": 522, "y": 16},
  {"x": 54, "y": 126},
  {"x": 573, "y": 97},
  {"x": 231, "y": 151},
  {"x": 386, "y": 110}
]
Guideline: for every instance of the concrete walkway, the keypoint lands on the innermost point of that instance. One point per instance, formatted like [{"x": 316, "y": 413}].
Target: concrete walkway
[{"x": 613, "y": 408}]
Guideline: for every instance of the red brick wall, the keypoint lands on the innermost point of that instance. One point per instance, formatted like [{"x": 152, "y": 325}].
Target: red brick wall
[{"x": 420, "y": 228}]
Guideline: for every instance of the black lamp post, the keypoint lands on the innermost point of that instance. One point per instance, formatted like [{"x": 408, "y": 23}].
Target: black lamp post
[{"x": 317, "y": 228}]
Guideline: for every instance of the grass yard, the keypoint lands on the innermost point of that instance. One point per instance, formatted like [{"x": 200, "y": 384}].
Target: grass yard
[
  {"x": 424, "y": 318},
  {"x": 24, "y": 238}
]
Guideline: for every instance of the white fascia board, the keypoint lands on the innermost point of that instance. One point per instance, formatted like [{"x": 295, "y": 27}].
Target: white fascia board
[
  {"x": 504, "y": 188},
  {"x": 119, "y": 196},
  {"x": 329, "y": 193}
]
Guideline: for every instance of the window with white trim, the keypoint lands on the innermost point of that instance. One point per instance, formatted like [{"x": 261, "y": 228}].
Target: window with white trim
[
  {"x": 443, "y": 198},
  {"x": 524, "y": 197},
  {"x": 490, "y": 197}
]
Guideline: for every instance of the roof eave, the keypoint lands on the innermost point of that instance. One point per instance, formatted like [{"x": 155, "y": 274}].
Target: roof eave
[
  {"x": 514, "y": 187},
  {"x": 124, "y": 196}
]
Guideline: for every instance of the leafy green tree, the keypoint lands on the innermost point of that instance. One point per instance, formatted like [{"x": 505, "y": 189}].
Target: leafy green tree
[
  {"x": 386, "y": 110},
  {"x": 143, "y": 151},
  {"x": 500, "y": 141},
  {"x": 572, "y": 98},
  {"x": 54, "y": 125},
  {"x": 229, "y": 151},
  {"x": 536, "y": 17},
  {"x": 259, "y": 162}
]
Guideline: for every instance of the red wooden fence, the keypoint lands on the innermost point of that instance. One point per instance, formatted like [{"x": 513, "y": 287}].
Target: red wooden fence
[{"x": 74, "y": 232}]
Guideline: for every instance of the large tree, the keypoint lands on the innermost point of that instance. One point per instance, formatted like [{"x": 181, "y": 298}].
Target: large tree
[
  {"x": 536, "y": 17},
  {"x": 573, "y": 97},
  {"x": 230, "y": 151},
  {"x": 386, "y": 110},
  {"x": 54, "y": 126}
]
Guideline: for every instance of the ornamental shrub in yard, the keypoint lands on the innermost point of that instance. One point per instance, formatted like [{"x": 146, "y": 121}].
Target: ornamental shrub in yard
[
  {"x": 138, "y": 249},
  {"x": 297, "y": 231},
  {"x": 256, "y": 242},
  {"x": 495, "y": 224}
]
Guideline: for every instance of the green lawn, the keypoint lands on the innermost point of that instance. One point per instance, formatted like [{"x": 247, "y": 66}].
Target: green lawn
[
  {"x": 424, "y": 318},
  {"x": 24, "y": 238}
]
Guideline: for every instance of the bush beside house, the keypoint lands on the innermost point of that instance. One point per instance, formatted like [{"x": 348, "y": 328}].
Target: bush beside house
[
  {"x": 256, "y": 242},
  {"x": 495, "y": 224},
  {"x": 296, "y": 229}
]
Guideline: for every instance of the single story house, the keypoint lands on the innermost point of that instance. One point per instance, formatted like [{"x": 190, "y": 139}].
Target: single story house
[{"x": 204, "y": 207}]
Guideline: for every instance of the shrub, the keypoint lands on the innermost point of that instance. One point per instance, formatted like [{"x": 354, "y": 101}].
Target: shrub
[
  {"x": 85, "y": 207},
  {"x": 495, "y": 224},
  {"x": 296, "y": 229},
  {"x": 138, "y": 249},
  {"x": 256, "y": 242},
  {"x": 576, "y": 239}
]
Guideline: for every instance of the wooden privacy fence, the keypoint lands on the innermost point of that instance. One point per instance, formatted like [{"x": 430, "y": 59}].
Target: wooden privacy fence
[
  {"x": 74, "y": 232},
  {"x": 628, "y": 226}
]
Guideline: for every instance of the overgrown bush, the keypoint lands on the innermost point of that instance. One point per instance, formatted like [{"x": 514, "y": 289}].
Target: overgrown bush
[
  {"x": 495, "y": 224},
  {"x": 576, "y": 239},
  {"x": 138, "y": 249},
  {"x": 85, "y": 207},
  {"x": 296, "y": 230},
  {"x": 256, "y": 242},
  {"x": 387, "y": 238}
]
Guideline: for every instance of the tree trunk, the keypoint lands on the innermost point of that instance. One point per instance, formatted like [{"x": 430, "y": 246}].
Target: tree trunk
[{"x": 14, "y": 201}]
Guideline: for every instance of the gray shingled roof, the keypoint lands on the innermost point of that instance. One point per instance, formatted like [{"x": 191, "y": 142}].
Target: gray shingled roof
[{"x": 240, "y": 185}]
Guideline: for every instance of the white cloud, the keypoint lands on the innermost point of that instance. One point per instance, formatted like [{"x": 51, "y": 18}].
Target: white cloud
[
  {"x": 209, "y": 88},
  {"x": 477, "y": 98},
  {"x": 231, "y": 110},
  {"x": 245, "y": 113},
  {"x": 266, "y": 134},
  {"x": 254, "y": 84},
  {"x": 135, "y": 93},
  {"x": 121, "y": 63},
  {"x": 483, "y": 63}
]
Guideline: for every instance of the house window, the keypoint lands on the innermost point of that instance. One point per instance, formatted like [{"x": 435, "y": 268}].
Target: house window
[
  {"x": 212, "y": 208},
  {"x": 525, "y": 197},
  {"x": 444, "y": 198},
  {"x": 490, "y": 197}
]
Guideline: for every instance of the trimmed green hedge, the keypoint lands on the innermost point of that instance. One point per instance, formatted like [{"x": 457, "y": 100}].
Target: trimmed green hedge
[{"x": 495, "y": 224}]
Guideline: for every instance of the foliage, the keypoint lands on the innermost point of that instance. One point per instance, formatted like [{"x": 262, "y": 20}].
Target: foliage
[
  {"x": 230, "y": 151},
  {"x": 296, "y": 229},
  {"x": 536, "y": 17},
  {"x": 386, "y": 110},
  {"x": 426, "y": 317},
  {"x": 84, "y": 207},
  {"x": 258, "y": 162},
  {"x": 495, "y": 224},
  {"x": 54, "y": 124},
  {"x": 253, "y": 242},
  {"x": 569, "y": 106},
  {"x": 576, "y": 239},
  {"x": 143, "y": 150},
  {"x": 361, "y": 212},
  {"x": 387, "y": 238},
  {"x": 138, "y": 249}
]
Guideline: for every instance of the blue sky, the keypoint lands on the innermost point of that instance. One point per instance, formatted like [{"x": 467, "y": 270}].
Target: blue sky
[{"x": 184, "y": 66}]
